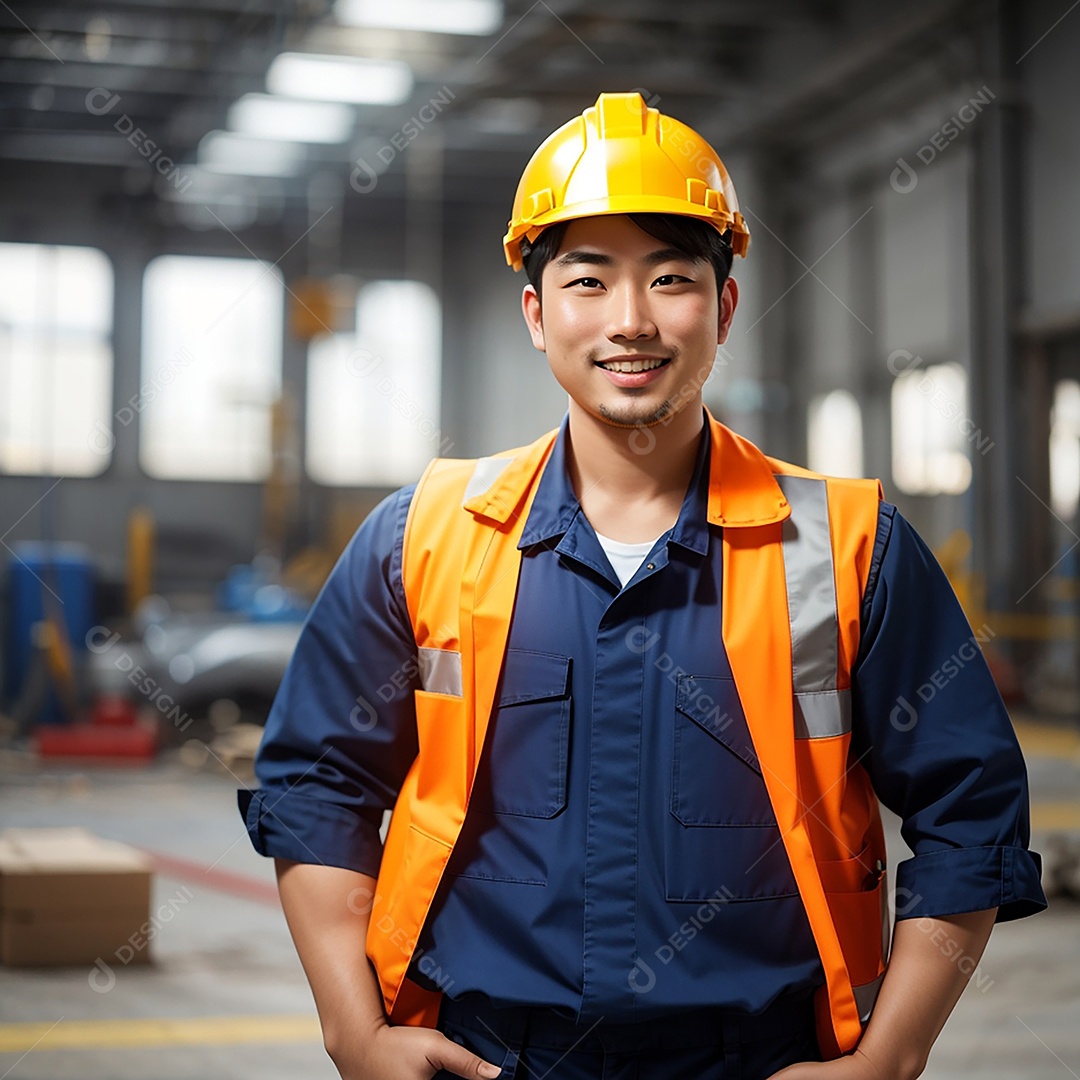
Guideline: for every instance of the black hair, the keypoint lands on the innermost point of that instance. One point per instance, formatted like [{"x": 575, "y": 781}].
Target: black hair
[{"x": 695, "y": 238}]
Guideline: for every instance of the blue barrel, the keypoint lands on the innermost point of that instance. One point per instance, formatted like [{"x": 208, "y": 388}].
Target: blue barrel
[{"x": 65, "y": 569}]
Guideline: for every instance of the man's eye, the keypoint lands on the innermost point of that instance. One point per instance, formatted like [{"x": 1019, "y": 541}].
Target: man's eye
[
  {"x": 670, "y": 279},
  {"x": 588, "y": 282}
]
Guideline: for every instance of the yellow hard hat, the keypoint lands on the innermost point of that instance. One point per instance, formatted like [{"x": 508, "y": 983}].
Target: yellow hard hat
[{"x": 621, "y": 157}]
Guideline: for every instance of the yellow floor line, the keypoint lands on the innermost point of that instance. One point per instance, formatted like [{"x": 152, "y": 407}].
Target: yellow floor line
[
  {"x": 1055, "y": 816},
  {"x": 1043, "y": 740},
  {"x": 194, "y": 1031}
]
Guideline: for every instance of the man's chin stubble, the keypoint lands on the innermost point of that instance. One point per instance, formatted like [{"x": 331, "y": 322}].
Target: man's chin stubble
[{"x": 627, "y": 419}]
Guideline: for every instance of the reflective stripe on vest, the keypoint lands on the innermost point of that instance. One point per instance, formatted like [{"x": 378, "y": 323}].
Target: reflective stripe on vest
[
  {"x": 866, "y": 995},
  {"x": 821, "y": 708},
  {"x": 484, "y": 474},
  {"x": 440, "y": 671}
]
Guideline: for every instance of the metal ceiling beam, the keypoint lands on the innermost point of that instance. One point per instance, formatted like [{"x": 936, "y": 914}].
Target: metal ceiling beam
[
  {"x": 175, "y": 86},
  {"x": 194, "y": 82},
  {"x": 134, "y": 53},
  {"x": 70, "y": 102},
  {"x": 850, "y": 70},
  {"x": 710, "y": 14},
  {"x": 71, "y": 148},
  {"x": 281, "y": 9},
  {"x": 173, "y": 25}
]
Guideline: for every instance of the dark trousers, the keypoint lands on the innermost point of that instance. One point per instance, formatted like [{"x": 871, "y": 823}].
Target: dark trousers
[{"x": 700, "y": 1044}]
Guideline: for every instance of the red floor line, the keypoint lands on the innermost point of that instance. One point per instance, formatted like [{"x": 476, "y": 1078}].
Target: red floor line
[{"x": 225, "y": 881}]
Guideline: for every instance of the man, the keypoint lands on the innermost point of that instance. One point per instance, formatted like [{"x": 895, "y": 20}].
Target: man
[{"x": 630, "y": 692}]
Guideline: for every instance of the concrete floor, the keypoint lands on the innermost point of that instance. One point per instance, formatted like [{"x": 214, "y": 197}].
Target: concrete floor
[{"x": 226, "y": 952}]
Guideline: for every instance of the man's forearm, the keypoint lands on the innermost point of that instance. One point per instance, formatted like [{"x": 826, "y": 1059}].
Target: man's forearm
[
  {"x": 931, "y": 963},
  {"x": 327, "y": 911}
]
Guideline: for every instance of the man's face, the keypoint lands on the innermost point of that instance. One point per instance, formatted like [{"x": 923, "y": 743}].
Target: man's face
[{"x": 616, "y": 299}]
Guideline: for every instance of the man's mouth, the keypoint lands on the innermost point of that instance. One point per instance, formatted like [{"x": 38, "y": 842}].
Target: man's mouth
[{"x": 637, "y": 364}]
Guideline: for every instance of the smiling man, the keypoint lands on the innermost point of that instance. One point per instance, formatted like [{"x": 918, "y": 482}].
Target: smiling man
[{"x": 633, "y": 692}]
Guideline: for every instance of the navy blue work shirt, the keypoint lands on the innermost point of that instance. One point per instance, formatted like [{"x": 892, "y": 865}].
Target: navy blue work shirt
[{"x": 620, "y": 857}]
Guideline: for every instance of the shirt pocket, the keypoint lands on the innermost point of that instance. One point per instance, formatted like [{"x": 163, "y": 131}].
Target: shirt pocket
[
  {"x": 524, "y": 764},
  {"x": 715, "y": 776},
  {"x": 722, "y": 841}
]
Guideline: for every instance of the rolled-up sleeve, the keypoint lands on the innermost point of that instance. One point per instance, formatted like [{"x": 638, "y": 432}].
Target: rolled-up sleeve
[
  {"x": 932, "y": 731},
  {"x": 341, "y": 734}
]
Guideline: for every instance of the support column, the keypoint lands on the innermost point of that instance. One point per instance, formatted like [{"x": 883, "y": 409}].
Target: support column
[
  {"x": 784, "y": 357},
  {"x": 996, "y": 227}
]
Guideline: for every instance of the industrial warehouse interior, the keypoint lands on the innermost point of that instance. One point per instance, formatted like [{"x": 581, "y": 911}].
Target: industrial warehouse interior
[{"x": 252, "y": 281}]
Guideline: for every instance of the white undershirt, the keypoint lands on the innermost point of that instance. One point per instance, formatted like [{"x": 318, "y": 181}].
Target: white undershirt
[{"x": 625, "y": 558}]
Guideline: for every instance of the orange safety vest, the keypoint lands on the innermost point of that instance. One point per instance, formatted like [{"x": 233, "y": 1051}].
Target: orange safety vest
[{"x": 796, "y": 556}]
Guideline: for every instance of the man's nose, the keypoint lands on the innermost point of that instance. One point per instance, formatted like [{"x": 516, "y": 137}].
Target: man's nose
[{"x": 631, "y": 317}]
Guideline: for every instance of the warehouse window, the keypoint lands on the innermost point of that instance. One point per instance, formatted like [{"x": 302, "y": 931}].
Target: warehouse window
[
  {"x": 932, "y": 432},
  {"x": 834, "y": 433},
  {"x": 56, "y": 362},
  {"x": 211, "y": 367},
  {"x": 1065, "y": 449},
  {"x": 373, "y": 396}
]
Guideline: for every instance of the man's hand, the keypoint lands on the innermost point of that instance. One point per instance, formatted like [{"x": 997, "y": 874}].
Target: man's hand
[
  {"x": 931, "y": 962},
  {"x": 327, "y": 909},
  {"x": 856, "y": 1066},
  {"x": 400, "y": 1052}
]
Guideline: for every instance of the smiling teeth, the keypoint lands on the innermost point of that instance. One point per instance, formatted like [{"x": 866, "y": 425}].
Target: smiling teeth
[{"x": 627, "y": 367}]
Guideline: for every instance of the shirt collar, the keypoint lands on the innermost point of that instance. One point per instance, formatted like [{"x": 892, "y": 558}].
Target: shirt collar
[{"x": 555, "y": 504}]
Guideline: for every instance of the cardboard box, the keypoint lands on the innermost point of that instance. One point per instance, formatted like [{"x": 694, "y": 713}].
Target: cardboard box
[{"x": 70, "y": 897}]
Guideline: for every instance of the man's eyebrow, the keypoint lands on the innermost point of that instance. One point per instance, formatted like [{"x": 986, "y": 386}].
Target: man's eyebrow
[
  {"x": 592, "y": 258},
  {"x": 596, "y": 258}
]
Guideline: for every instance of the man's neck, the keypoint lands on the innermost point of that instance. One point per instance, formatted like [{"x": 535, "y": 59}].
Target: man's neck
[{"x": 631, "y": 481}]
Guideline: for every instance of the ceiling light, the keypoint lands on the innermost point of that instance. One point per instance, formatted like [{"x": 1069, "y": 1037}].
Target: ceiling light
[
  {"x": 224, "y": 151},
  {"x": 436, "y": 16},
  {"x": 340, "y": 78},
  {"x": 97, "y": 41},
  {"x": 268, "y": 117}
]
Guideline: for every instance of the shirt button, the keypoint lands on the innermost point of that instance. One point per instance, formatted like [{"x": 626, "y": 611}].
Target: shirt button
[{"x": 650, "y": 566}]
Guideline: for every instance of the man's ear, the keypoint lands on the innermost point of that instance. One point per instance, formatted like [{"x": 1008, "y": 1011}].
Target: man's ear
[
  {"x": 729, "y": 300},
  {"x": 530, "y": 308}
]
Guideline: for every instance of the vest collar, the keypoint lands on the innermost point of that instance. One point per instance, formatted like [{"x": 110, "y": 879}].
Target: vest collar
[
  {"x": 742, "y": 488},
  {"x": 503, "y": 499}
]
